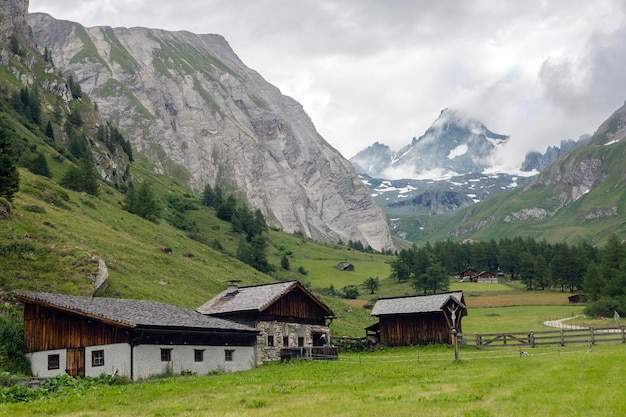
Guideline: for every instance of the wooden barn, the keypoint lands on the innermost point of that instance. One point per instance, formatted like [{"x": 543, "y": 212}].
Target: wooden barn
[
  {"x": 345, "y": 266},
  {"x": 90, "y": 336},
  {"x": 418, "y": 320},
  {"x": 485, "y": 276},
  {"x": 292, "y": 322},
  {"x": 467, "y": 274}
]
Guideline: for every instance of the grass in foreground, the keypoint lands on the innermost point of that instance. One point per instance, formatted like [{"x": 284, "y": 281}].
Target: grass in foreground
[{"x": 571, "y": 381}]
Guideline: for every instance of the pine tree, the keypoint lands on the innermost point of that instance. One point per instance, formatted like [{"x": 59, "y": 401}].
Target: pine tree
[
  {"x": 142, "y": 202},
  {"x": 9, "y": 175},
  {"x": 14, "y": 45},
  {"x": 49, "y": 132},
  {"x": 38, "y": 165}
]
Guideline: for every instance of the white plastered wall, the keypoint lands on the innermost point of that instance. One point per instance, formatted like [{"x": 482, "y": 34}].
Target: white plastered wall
[
  {"x": 116, "y": 360},
  {"x": 148, "y": 363},
  {"x": 147, "y": 360},
  {"x": 39, "y": 363}
]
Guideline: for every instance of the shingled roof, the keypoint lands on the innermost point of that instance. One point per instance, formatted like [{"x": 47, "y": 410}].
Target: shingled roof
[
  {"x": 255, "y": 298},
  {"x": 131, "y": 313},
  {"x": 415, "y": 304}
]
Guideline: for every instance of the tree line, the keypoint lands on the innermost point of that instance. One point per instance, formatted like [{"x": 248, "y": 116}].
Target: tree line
[{"x": 600, "y": 273}]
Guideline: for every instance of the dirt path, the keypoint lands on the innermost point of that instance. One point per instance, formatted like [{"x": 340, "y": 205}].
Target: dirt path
[{"x": 559, "y": 323}]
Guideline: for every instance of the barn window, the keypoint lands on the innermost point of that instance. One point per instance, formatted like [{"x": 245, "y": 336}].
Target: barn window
[
  {"x": 229, "y": 355},
  {"x": 97, "y": 358},
  {"x": 53, "y": 361},
  {"x": 270, "y": 340},
  {"x": 198, "y": 355},
  {"x": 285, "y": 341},
  {"x": 166, "y": 355},
  {"x": 301, "y": 341}
]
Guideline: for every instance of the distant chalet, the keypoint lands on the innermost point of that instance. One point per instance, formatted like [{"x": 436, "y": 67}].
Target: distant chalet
[
  {"x": 418, "y": 320},
  {"x": 475, "y": 276}
]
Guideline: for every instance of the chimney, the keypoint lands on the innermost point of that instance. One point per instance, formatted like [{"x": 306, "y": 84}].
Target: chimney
[{"x": 232, "y": 288}]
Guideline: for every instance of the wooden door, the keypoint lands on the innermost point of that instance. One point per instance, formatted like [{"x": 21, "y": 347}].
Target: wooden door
[{"x": 75, "y": 362}]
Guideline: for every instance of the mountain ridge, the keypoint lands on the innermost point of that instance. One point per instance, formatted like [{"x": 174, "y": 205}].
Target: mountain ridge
[{"x": 197, "y": 112}]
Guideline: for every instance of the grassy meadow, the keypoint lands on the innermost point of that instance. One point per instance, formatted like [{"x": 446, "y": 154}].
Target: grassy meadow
[{"x": 566, "y": 381}]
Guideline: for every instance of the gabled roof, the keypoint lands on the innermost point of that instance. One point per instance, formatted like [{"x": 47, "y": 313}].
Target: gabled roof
[
  {"x": 416, "y": 304},
  {"x": 131, "y": 313},
  {"x": 256, "y": 298}
]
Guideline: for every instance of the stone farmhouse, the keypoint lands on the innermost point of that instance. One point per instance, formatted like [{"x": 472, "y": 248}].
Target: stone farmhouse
[{"x": 292, "y": 322}]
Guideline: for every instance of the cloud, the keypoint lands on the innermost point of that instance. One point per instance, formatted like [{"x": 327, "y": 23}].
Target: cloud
[{"x": 368, "y": 71}]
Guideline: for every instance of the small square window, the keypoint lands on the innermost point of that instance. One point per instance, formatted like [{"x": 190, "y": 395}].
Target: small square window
[
  {"x": 97, "y": 358},
  {"x": 229, "y": 355},
  {"x": 270, "y": 340},
  {"x": 301, "y": 341},
  {"x": 285, "y": 341},
  {"x": 53, "y": 361},
  {"x": 166, "y": 355},
  {"x": 198, "y": 355}
]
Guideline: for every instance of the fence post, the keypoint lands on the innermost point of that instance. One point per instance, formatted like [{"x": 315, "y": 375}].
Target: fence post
[
  {"x": 478, "y": 340},
  {"x": 593, "y": 336},
  {"x": 562, "y": 338},
  {"x": 531, "y": 338},
  {"x": 623, "y": 334}
]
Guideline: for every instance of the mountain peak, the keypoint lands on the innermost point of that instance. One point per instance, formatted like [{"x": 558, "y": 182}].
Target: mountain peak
[{"x": 454, "y": 144}]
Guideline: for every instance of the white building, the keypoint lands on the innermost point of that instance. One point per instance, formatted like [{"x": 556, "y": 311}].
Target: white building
[{"x": 87, "y": 336}]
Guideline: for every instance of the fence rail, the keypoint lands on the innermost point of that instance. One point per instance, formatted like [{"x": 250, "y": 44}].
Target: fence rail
[
  {"x": 309, "y": 352},
  {"x": 560, "y": 337}
]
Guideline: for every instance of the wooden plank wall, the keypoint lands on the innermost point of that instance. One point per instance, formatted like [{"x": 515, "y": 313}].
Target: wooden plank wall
[
  {"x": 296, "y": 307},
  {"x": 46, "y": 329},
  {"x": 414, "y": 329}
]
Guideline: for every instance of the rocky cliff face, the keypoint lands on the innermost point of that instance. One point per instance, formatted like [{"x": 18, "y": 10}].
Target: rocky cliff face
[
  {"x": 188, "y": 103},
  {"x": 13, "y": 14}
]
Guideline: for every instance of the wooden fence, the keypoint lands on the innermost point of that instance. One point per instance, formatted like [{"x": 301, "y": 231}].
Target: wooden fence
[
  {"x": 309, "y": 353},
  {"x": 560, "y": 337}
]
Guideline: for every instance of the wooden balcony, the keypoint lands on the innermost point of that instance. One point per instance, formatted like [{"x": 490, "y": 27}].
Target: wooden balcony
[{"x": 309, "y": 353}]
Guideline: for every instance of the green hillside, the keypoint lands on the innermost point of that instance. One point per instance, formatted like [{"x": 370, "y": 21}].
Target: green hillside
[{"x": 57, "y": 237}]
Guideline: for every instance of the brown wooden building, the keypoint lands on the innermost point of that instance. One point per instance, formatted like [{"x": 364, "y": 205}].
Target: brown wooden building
[
  {"x": 485, "y": 276},
  {"x": 467, "y": 274},
  {"x": 288, "y": 316},
  {"x": 418, "y": 320},
  {"x": 90, "y": 336}
]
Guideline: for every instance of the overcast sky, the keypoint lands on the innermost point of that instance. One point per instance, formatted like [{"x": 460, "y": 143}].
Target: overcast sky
[{"x": 374, "y": 70}]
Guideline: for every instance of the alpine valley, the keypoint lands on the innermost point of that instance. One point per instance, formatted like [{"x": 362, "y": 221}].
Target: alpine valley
[{"x": 446, "y": 185}]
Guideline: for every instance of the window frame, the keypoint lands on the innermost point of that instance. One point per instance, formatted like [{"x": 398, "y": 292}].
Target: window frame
[
  {"x": 229, "y": 355},
  {"x": 54, "y": 361},
  {"x": 270, "y": 340},
  {"x": 97, "y": 357},
  {"x": 198, "y": 355},
  {"x": 166, "y": 355}
]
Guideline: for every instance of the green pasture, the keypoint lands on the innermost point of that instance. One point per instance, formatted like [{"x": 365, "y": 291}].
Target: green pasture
[
  {"x": 555, "y": 381},
  {"x": 323, "y": 273},
  {"x": 515, "y": 318}
]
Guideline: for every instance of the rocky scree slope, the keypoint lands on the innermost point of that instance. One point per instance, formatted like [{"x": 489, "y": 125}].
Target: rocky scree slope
[{"x": 190, "y": 105}]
